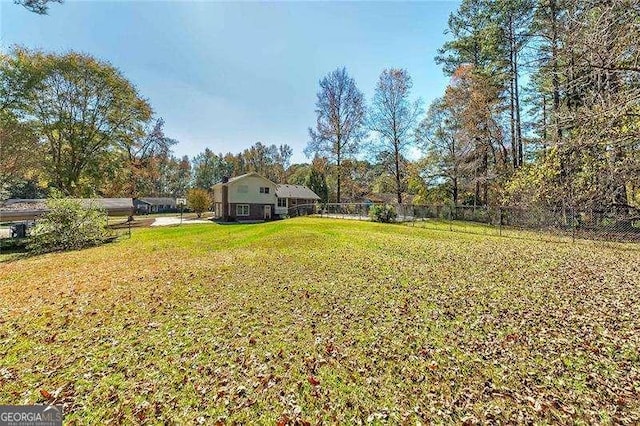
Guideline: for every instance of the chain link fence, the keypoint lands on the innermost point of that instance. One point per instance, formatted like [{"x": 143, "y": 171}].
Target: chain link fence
[
  {"x": 15, "y": 235},
  {"x": 616, "y": 223}
]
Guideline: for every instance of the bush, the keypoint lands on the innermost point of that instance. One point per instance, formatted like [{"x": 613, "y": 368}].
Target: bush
[
  {"x": 382, "y": 213},
  {"x": 68, "y": 225},
  {"x": 199, "y": 201}
]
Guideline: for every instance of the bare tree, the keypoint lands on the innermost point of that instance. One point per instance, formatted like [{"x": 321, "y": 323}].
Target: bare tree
[
  {"x": 143, "y": 149},
  {"x": 393, "y": 117},
  {"x": 447, "y": 146},
  {"x": 283, "y": 162},
  {"x": 340, "y": 122},
  {"x": 41, "y": 7}
]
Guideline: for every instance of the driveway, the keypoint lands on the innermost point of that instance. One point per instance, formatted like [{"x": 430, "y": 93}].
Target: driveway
[{"x": 167, "y": 221}]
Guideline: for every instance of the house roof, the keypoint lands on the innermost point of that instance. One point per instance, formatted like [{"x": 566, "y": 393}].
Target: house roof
[
  {"x": 24, "y": 209},
  {"x": 237, "y": 178},
  {"x": 154, "y": 201},
  {"x": 295, "y": 191},
  {"x": 233, "y": 179},
  {"x": 37, "y": 203}
]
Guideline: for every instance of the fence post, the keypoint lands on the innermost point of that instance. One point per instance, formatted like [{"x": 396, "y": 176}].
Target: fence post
[
  {"x": 573, "y": 224},
  {"x": 129, "y": 222}
]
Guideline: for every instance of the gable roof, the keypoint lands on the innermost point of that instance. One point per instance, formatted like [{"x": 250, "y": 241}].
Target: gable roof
[
  {"x": 36, "y": 203},
  {"x": 233, "y": 179},
  {"x": 155, "y": 201},
  {"x": 27, "y": 209},
  {"x": 237, "y": 178},
  {"x": 295, "y": 191}
]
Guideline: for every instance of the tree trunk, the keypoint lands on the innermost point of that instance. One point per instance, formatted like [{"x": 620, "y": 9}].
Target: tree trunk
[
  {"x": 339, "y": 174},
  {"x": 454, "y": 191},
  {"x": 554, "y": 68},
  {"x": 398, "y": 183},
  {"x": 516, "y": 98},
  {"x": 512, "y": 106}
]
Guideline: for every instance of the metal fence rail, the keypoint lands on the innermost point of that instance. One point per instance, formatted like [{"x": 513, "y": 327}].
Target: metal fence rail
[{"x": 615, "y": 223}]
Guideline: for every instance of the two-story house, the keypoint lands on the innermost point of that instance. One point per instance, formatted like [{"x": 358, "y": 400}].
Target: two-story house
[
  {"x": 253, "y": 197},
  {"x": 245, "y": 197}
]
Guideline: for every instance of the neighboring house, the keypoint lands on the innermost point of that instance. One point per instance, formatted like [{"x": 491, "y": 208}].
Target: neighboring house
[
  {"x": 295, "y": 200},
  {"x": 254, "y": 197},
  {"x": 149, "y": 205},
  {"x": 29, "y": 209}
]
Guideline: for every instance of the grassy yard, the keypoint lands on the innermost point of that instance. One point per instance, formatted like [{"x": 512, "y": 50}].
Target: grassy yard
[{"x": 320, "y": 320}]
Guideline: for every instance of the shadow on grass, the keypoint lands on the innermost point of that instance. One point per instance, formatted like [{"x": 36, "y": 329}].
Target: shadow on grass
[
  {"x": 529, "y": 234},
  {"x": 15, "y": 249}
]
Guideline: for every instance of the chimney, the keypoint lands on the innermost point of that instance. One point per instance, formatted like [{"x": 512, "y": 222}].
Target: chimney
[{"x": 225, "y": 203}]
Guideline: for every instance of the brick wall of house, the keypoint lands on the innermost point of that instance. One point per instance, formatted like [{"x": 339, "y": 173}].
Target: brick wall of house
[{"x": 256, "y": 211}]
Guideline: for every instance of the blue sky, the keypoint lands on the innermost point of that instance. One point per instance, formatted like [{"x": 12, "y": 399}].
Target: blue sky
[{"x": 226, "y": 75}]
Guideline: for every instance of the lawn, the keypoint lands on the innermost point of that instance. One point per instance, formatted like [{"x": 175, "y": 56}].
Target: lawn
[{"x": 321, "y": 320}]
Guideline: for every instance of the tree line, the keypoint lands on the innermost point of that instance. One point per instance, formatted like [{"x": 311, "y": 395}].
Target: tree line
[
  {"x": 74, "y": 124},
  {"x": 542, "y": 109}
]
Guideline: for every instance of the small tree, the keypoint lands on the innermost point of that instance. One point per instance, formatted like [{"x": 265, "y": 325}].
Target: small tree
[
  {"x": 383, "y": 213},
  {"x": 199, "y": 200},
  {"x": 68, "y": 225}
]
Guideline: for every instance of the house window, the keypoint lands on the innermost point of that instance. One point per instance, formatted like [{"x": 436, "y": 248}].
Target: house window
[
  {"x": 264, "y": 189},
  {"x": 282, "y": 202},
  {"x": 242, "y": 210},
  {"x": 243, "y": 189}
]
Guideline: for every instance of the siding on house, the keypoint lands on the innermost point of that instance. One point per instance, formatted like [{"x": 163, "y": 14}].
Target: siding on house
[
  {"x": 252, "y": 184},
  {"x": 249, "y": 189},
  {"x": 260, "y": 194}
]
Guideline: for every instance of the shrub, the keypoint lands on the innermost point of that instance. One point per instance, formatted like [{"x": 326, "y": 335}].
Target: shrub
[
  {"x": 199, "y": 201},
  {"x": 68, "y": 225},
  {"x": 382, "y": 213}
]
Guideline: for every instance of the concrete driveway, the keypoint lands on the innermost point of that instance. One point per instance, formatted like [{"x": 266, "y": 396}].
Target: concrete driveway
[{"x": 168, "y": 221}]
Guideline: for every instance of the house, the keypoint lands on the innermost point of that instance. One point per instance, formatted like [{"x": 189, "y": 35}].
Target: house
[
  {"x": 245, "y": 197},
  {"x": 254, "y": 197},
  {"x": 294, "y": 200},
  {"x": 30, "y": 209},
  {"x": 149, "y": 205}
]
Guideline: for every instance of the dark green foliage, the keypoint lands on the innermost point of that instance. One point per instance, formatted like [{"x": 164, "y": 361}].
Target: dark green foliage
[
  {"x": 383, "y": 213},
  {"x": 317, "y": 182}
]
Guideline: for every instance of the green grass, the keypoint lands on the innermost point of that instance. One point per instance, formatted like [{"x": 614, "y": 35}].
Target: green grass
[{"x": 319, "y": 320}]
